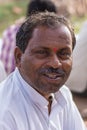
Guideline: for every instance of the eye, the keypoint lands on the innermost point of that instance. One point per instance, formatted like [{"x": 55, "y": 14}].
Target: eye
[
  {"x": 64, "y": 54},
  {"x": 41, "y": 53}
]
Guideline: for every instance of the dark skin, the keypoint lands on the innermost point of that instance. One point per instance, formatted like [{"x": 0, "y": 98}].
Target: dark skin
[{"x": 47, "y": 60}]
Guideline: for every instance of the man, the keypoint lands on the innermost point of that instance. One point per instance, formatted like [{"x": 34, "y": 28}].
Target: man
[
  {"x": 9, "y": 35},
  {"x": 34, "y": 97}
]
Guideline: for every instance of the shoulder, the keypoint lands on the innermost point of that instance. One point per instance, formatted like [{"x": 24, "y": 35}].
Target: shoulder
[
  {"x": 8, "y": 90},
  {"x": 8, "y": 98},
  {"x": 66, "y": 92}
]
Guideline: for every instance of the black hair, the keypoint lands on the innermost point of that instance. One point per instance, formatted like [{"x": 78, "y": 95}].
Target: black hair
[
  {"x": 40, "y": 6},
  {"x": 48, "y": 19}
]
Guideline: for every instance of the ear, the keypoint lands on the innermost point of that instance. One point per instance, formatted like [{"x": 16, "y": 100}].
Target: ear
[{"x": 17, "y": 54}]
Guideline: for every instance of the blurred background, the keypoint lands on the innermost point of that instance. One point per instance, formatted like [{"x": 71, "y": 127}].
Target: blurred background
[
  {"x": 76, "y": 12},
  {"x": 10, "y": 10}
]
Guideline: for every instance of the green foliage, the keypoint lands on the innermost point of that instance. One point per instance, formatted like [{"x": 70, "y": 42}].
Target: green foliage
[
  {"x": 77, "y": 22},
  {"x": 8, "y": 15}
]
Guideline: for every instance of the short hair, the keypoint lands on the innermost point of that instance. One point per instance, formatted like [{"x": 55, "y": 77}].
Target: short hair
[
  {"x": 48, "y": 19},
  {"x": 35, "y": 6}
]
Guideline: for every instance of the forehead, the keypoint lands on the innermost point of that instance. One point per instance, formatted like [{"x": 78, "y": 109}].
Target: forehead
[{"x": 44, "y": 36}]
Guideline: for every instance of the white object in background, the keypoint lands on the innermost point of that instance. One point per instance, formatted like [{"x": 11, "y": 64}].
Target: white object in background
[
  {"x": 77, "y": 81},
  {"x": 2, "y": 72},
  {"x": 0, "y": 44}
]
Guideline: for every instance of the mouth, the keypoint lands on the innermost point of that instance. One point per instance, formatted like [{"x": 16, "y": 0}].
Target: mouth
[{"x": 53, "y": 76}]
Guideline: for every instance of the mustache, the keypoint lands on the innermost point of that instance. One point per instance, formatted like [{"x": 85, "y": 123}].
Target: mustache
[{"x": 51, "y": 70}]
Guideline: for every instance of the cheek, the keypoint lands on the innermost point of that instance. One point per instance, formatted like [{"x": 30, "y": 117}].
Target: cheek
[
  {"x": 67, "y": 66},
  {"x": 29, "y": 65},
  {"x": 25, "y": 64}
]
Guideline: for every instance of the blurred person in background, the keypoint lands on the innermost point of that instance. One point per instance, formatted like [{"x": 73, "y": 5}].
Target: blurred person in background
[
  {"x": 2, "y": 69},
  {"x": 8, "y": 39},
  {"x": 77, "y": 81}
]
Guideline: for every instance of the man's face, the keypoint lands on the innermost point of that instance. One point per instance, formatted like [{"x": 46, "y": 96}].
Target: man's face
[{"x": 47, "y": 60}]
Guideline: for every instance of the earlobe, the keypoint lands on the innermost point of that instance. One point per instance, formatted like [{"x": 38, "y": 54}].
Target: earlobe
[{"x": 17, "y": 55}]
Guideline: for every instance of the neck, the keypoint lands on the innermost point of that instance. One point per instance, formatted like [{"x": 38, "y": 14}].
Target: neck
[{"x": 50, "y": 98}]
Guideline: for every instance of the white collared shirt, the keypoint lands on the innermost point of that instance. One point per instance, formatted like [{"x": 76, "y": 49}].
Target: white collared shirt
[{"x": 23, "y": 108}]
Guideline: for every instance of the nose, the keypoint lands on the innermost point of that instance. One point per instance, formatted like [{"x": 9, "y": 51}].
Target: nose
[{"x": 54, "y": 62}]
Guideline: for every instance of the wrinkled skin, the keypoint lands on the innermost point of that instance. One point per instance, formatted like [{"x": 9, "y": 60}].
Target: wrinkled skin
[{"x": 47, "y": 60}]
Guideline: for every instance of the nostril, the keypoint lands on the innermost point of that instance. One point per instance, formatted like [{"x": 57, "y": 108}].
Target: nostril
[{"x": 55, "y": 64}]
